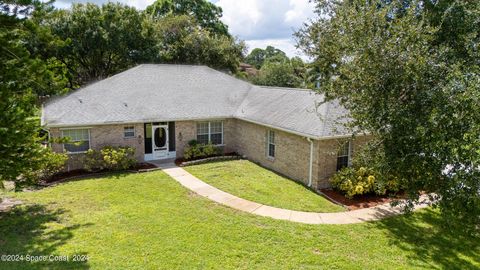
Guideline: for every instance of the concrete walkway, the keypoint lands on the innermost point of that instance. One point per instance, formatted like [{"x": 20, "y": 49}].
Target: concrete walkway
[
  {"x": 203, "y": 189},
  {"x": 6, "y": 204}
]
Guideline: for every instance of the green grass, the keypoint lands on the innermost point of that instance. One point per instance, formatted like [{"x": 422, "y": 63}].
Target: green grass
[
  {"x": 149, "y": 221},
  {"x": 252, "y": 182}
]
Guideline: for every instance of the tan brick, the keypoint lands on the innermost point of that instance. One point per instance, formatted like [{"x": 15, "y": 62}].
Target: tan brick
[
  {"x": 292, "y": 152},
  {"x": 104, "y": 135}
]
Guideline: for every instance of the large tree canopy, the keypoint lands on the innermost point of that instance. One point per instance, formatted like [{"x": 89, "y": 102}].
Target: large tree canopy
[
  {"x": 95, "y": 42},
  {"x": 23, "y": 78},
  {"x": 408, "y": 71},
  {"x": 258, "y": 56},
  {"x": 277, "y": 69},
  {"x": 205, "y": 13},
  {"x": 99, "y": 41},
  {"x": 179, "y": 40},
  {"x": 283, "y": 72}
]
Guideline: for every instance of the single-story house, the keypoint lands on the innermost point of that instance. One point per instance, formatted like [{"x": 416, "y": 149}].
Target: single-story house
[{"x": 158, "y": 109}]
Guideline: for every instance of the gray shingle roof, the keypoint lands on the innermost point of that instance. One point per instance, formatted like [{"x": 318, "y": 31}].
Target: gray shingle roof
[
  {"x": 181, "y": 92},
  {"x": 298, "y": 110}
]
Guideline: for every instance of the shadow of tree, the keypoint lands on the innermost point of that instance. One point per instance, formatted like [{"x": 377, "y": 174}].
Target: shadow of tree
[
  {"x": 432, "y": 242},
  {"x": 36, "y": 231}
]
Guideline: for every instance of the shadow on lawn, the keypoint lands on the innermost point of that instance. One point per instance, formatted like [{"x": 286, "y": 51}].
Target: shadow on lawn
[
  {"x": 429, "y": 239},
  {"x": 35, "y": 230}
]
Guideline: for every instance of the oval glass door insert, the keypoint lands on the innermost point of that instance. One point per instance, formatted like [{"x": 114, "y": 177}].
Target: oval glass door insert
[{"x": 160, "y": 137}]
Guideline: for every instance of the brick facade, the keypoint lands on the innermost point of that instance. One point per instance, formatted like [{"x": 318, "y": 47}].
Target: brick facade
[
  {"x": 292, "y": 152},
  {"x": 186, "y": 131},
  {"x": 100, "y": 136},
  {"x": 327, "y": 152}
]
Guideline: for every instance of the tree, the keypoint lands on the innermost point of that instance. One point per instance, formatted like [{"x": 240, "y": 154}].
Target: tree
[
  {"x": 408, "y": 72},
  {"x": 257, "y": 56},
  {"x": 23, "y": 77},
  {"x": 179, "y": 40},
  {"x": 206, "y": 14},
  {"x": 99, "y": 41},
  {"x": 283, "y": 74}
]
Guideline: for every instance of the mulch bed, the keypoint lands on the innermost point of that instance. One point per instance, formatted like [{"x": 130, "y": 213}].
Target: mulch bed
[
  {"x": 81, "y": 172},
  {"x": 365, "y": 201},
  {"x": 143, "y": 166},
  {"x": 181, "y": 161}
]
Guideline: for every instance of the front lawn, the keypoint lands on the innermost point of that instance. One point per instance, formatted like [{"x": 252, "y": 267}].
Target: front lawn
[
  {"x": 149, "y": 221},
  {"x": 252, "y": 182}
]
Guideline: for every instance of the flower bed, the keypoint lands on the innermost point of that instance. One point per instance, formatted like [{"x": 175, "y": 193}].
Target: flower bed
[
  {"x": 81, "y": 173},
  {"x": 364, "y": 201},
  {"x": 230, "y": 156}
]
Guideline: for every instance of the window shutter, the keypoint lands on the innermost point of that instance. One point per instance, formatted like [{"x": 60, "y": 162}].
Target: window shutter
[{"x": 266, "y": 143}]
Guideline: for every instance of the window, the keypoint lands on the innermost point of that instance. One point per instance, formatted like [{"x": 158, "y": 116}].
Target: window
[
  {"x": 343, "y": 156},
  {"x": 79, "y": 140},
  {"x": 129, "y": 132},
  {"x": 202, "y": 132},
  {"x": 210, "y": 132},
  {"x": 216, "y": 133},
  {"x": 271, "y": 144}
]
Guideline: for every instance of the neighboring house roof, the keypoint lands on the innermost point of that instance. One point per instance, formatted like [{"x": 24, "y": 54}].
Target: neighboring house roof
[
  {"x": 182, "y": 92},
  {"x": 249, "y": 69}
]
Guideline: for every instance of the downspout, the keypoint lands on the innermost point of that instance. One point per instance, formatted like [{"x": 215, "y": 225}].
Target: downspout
[{"x": 310, "y": 165}]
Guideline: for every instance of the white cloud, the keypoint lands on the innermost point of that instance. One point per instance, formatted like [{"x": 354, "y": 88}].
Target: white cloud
[
  {"x": 139, "y": 4},
  {"x": 300, "y": 13},
  {"x": 266, "y": 22},
  {"x": 241, "y": 16}
]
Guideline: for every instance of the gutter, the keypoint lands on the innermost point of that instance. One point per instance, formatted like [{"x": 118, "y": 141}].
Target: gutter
[
  {"x": 310, "y": 165},
  {"x": 307, "y": 135}
]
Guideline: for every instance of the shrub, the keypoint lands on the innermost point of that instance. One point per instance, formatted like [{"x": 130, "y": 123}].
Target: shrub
[
  {"x": 357, "y": 181},
  {"x": 50, "y": 164},
  {"x": 195, "y": 150},
  {"x": 53, "y": 164},
  {"x": 110, "y": 158}
]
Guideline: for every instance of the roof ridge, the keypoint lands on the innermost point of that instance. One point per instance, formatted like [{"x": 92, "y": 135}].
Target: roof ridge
[
  {"x": 285, "y": 88},
  {"x": 173, "y": 64}
]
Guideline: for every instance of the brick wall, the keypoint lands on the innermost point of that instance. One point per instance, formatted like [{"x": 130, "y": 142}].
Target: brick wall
[
  {"x": 292, "y": 152},
  {"x": 327, "y": 162},
  {"x": 100, "y": 136},
  {"x": 186, "y": 131}
]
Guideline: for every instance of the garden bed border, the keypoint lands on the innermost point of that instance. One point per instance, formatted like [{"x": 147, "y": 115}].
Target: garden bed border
[{"x": 209, "y": 159}]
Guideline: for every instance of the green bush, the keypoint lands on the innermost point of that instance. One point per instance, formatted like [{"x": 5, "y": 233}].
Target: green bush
[
  {"x": 196, "y": 150},
  {"x": 52, "y": 163},
  {"x": 110, "y": 158},
  {"x": 48, "y": 163},
  {"x": 357, "y": 181}
]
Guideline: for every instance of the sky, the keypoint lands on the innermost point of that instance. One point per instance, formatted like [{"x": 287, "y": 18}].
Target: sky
[{"x": 258, "y": 22}]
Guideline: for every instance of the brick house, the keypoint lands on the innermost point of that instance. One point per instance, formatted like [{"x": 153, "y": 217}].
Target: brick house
[{"x": 158, "y": 109}]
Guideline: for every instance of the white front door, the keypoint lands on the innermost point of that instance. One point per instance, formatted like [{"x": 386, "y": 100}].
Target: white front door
[{"x": 160, "y": 141}]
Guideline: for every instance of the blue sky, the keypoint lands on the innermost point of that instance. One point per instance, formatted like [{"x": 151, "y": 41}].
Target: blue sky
[{"x": 258, "y": 22}]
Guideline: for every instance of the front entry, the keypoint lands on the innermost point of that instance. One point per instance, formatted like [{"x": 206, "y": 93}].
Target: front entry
[{"x": 160, "y": 141}]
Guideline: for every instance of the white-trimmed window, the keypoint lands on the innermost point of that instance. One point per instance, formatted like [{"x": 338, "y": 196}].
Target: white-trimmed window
[
  {"x": 129, "y": 132},
  {"x": 343, "y": 156},
  {"x": 79, "y": 140},
  {"x": 210, "y": 132},
  {"x": 270, "y": 144}
]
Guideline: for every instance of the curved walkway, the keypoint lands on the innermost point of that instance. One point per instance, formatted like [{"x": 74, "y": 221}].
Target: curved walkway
[{"x": 203, "y": 189}]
